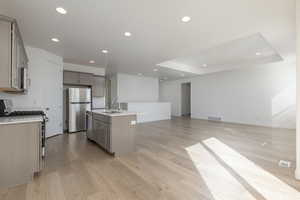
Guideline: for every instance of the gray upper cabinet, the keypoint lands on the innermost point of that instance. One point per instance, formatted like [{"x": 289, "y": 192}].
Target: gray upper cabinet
[
  {"x": 98, "y": 86},
  {"x": 13, "y": 56},
  {"x": 5, "y": 55},
  {"x": 86, "y": 79},
  {"x": 78, "y": 78},
  {"x": 71, "y": 77}
]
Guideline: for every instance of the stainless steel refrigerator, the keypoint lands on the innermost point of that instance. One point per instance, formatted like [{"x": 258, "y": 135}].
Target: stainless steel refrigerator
[{"x": 79, "y": 101}]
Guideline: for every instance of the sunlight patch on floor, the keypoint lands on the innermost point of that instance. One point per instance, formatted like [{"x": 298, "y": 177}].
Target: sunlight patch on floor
[
  {"x": 268, "y": 185},
  {"x": 222, "y": 185}
]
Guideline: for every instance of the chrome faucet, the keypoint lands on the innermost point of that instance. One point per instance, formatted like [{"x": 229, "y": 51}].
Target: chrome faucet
[{"x": 115, "y": 102}]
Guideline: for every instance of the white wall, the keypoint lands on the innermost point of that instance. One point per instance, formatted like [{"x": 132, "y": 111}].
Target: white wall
[
  {"x": 45, "y": 91},
  {"x": 297, "y": 172},
  {"x": 132, "y": 88},
  {"x": 260, "y": 95},
  {"x": 83, "y": 68},
  {"x": 148, "y": 112}
]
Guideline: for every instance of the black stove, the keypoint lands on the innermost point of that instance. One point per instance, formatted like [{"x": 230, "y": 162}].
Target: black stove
[
  {"x": 25, "y": 113},
  {"x": 6, "y": 111},
  {"x": 32, "y": 113}
]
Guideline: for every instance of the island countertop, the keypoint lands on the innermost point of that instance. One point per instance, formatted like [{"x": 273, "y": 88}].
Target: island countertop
[
  {"x": 106, "y": 112},
  {"x": 20, "y": 119}
]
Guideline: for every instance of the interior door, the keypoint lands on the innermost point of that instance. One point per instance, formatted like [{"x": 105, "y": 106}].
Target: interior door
[{"x": 49, "y": 76}]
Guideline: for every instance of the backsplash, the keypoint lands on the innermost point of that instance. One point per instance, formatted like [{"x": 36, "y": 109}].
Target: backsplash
[{"x": 98, "y": 102}]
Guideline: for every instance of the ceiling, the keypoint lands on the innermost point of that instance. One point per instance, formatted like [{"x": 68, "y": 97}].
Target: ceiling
[
  {"x": 242, "y": 52},
  {"x": 158, "y": 34}
]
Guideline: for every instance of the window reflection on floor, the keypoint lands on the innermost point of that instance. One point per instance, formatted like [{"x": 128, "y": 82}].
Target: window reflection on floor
[
  {"x": 222, "y": 185},
  {"x": 225, "y": 186}
]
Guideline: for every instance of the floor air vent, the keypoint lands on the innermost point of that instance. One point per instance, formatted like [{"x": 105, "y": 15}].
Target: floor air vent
[
  {"x": 214, "y": 118},
  {"x": 284, "y": 164}
]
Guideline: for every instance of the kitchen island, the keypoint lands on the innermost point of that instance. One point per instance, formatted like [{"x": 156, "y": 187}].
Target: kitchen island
[{"x": 113, "y": 131}]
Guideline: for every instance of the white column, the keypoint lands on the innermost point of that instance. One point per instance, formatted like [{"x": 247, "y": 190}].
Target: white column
[{"x": 297, "y": 172}]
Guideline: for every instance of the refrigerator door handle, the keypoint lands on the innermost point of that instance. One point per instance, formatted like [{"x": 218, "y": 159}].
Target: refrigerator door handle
[{"x": 80, "y": 103}]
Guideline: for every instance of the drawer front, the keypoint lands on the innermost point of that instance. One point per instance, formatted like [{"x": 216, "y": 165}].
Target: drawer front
[{"x": 102, "y": 118}]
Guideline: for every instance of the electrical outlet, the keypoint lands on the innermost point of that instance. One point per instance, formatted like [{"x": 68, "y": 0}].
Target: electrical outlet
[
  {"x": 264, "y": 144},
  {"x": 284, "y": 164}
]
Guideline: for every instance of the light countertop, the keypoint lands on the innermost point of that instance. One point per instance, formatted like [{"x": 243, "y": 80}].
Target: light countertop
[
  {"x": 20, "y": 119},
  {"x": 103, "y": 112}
]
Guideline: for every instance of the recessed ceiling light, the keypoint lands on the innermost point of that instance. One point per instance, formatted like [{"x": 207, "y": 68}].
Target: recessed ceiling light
[
  {"x": 140, "y": 74},
  {"x": 61, "y": 10},
  {"x": 258, "y": 53},
  {"x": 127, "y": 34},
  {"x": 204, "y": 65},
  {"x": 92, "y": 61},
  {"x": 104, "y": 51},
  {"x": 55, "y": 39},
  {"x": 186, "y": 19},
  {"x": 155, "y": 70}
]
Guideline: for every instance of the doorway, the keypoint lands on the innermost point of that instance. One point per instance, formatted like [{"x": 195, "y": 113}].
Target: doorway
[{"x": 186, "y": 99}]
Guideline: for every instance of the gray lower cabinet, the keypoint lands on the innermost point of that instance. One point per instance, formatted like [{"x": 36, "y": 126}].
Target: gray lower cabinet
[
  {"x": 115, "y": 134},
  {"x": 89, "y": 126},
  {"x": 20, "y": 153},
  {"x": 102, "y": 133}
]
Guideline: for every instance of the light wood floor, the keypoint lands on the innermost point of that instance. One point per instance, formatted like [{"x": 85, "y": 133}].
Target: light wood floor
[{"x": 177, "y": 159}]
